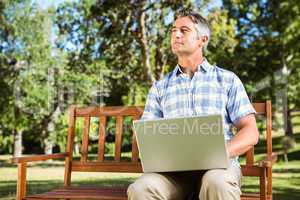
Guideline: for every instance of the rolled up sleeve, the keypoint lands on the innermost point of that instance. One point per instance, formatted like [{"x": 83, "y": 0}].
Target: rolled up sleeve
[
  {"x": 153, "y": 107},
  {"x": 238, "y": 104}
]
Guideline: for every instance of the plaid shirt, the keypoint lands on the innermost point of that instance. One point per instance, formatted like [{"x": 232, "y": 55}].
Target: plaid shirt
[{"x": 212, "y": 90}]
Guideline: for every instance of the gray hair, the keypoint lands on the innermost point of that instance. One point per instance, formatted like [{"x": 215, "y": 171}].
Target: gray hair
[{"x": 201, "y": 24}]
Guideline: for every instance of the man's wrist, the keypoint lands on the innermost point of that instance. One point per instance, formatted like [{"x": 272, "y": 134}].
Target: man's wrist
[{"x": 228, "y": 150}]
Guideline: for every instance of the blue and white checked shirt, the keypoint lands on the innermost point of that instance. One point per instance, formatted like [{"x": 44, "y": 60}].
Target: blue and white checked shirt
[{"x": 212, "y": 90}]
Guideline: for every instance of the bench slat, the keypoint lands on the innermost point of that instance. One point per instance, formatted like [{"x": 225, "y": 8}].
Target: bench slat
[
  {"x": 111, "y": 166},
  {"x": 255, "y": 171},
  {"x": 260, "y": 108},
  {"x": 118, "y": 142},
  {"x": 104, "y": 193},
  {"x": 94, "y": 111},
  {"x": 85, "y": 139},
  {"x": 101, "y": 142},
  {"x": 135, "y": 150},
  {"x": 250, "y": 156}
]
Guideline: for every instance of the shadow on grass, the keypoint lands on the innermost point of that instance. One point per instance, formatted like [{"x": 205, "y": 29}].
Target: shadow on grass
[
  {"x": 279, "y": 193},
  {"x": 58, "y": 162},
  {"x": 260, "y": 148},
  {"x": 40, "y": 165},
  {"x": 285, "y": 193},
  {"x": 295, "y": 155},
  {"x": 289, "y": 170}
]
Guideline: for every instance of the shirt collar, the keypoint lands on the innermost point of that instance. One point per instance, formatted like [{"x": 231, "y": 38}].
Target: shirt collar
[{"x": 204, "y": 66}]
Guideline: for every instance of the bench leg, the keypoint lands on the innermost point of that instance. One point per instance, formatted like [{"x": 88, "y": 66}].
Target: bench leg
[
  {"x": 262, "y": 183},
  {"x": 21, "y": 183}
]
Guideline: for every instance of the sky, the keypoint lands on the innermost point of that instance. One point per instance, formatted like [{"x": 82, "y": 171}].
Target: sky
[{"x": 47, "y": 3}]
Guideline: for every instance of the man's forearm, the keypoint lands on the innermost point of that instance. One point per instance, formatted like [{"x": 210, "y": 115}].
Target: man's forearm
[{"x": 246, "y": 137}]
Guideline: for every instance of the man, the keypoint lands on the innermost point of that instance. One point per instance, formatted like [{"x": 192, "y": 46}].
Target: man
[{"x": 195, "y": 87}]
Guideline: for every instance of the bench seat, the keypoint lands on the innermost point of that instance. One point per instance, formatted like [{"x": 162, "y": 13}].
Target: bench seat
[{"x": 104, "y": 193}]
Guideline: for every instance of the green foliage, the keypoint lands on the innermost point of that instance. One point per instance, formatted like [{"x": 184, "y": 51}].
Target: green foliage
[
  {"x": 288, "y": 143},
  {"x": 223, "y": 40},
  {"x": 137, "y": 95},
  {"x": 268, "y": 52},
  {"x": 6, "y": 142},
  {"x": 96, "y": 52},
  {"x": 268, "y": 35}
]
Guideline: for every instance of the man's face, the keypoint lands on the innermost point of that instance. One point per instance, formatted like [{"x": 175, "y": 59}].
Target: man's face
[{"x": 184, "y": 39}]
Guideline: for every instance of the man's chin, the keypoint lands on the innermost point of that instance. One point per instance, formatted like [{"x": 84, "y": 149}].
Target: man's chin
[{"x": 178, "y": 52}]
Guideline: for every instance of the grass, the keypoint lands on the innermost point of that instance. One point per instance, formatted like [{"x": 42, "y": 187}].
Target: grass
[
  {"x": 286, "y": 181},
  {"x": 44, "y": 176},
  {"x": 286, "y": 176}
]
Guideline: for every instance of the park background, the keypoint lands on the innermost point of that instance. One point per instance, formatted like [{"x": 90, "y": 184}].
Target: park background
[{"x": 57, "y": 53}]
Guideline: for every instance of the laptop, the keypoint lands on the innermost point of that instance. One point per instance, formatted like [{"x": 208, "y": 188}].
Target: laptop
[{"x": 181, "y": 144}]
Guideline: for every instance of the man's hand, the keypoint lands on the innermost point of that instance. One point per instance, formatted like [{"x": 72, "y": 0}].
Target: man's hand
[{"x": 246, "y": 137}]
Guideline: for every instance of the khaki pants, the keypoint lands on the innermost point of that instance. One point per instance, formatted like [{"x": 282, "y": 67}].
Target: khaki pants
[{"x": 216, "y": 184}]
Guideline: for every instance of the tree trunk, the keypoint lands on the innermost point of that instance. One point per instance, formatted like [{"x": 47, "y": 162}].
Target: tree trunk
[
  {"x": 288, "y": 130},
  {"x": 289, "y": 124},
  {"x": 76, "y": 146},
  {"x": 286, "y": 160},
  {"x": 17, "y": 143},
  {"x": 141, "y": 38},
  {"x": 17, "y": 121},
  {"x": 285, "y": 111},
  {"x": 50, "y": 128},
  {"x": 48, "y": 146}
]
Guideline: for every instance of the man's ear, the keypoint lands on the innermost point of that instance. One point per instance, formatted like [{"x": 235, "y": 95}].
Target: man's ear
[{"x": 204, "y": 39}]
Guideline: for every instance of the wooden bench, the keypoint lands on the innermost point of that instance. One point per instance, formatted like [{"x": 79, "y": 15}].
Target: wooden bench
[{"x": 263, "y": 169}]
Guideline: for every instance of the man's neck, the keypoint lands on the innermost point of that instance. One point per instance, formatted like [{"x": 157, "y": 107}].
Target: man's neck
[{"x": 190, "y": 64}]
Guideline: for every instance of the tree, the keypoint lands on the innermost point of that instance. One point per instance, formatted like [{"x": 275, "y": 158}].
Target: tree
[
  {"x": 86, "y": 52},
  {"x": 133, "y": 38},
  {"x": 10, "y": 67},
  {"x": 268, "y": 34},
  {"x": 39, "y": 84}
]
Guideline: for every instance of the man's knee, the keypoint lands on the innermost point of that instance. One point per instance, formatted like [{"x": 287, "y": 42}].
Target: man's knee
[
  {"x": 141, "y": 187},
  {"x": 154, "y": 186},
  {"x": 148, "y": 186},
  {"x": 134, "y": 191},
  {"x": 220, "y": 184},
  {"x": 214, "y": 180}
]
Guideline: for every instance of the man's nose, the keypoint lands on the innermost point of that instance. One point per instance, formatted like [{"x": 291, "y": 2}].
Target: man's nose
[{"x": 178, "y": 34}]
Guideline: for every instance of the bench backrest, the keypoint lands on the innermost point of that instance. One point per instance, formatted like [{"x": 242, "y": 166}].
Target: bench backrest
[
  {"x": 120, "y": 113},
  {"x": 265, "y": 110},
  {"x": 100, "y": 164}
]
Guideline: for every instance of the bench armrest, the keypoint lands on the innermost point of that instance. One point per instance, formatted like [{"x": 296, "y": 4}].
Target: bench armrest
[
  {"x": 268, "y": 161},
  {"x": 25, "y": 159}
]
